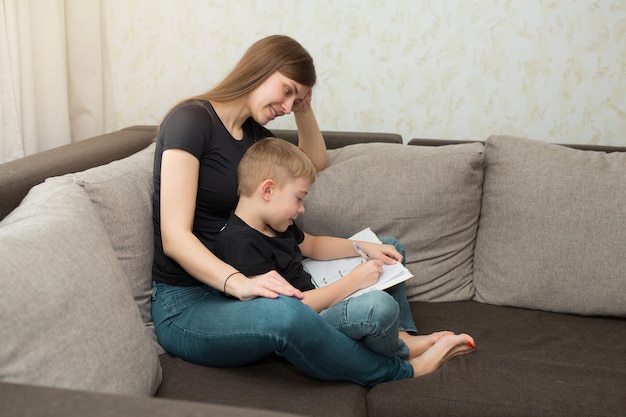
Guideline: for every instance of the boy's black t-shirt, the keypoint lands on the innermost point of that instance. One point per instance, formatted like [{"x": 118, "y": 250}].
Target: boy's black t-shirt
[
  {"x": 254, "y": 253},
  {"x": 195, "y": 128}
]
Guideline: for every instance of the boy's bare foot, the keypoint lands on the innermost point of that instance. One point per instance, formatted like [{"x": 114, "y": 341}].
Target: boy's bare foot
[
  {"x": 444, "y": 349},
  {"x": 421, "y": 343}
]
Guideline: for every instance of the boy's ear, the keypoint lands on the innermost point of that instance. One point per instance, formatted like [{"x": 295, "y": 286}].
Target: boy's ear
[{"x": 266, "y": 188}]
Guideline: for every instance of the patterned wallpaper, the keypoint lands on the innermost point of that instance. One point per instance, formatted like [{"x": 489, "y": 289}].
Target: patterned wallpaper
[{"x": 455, "y": 69}]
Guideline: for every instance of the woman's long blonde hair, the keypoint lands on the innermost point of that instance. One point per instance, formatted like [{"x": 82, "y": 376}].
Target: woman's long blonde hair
[{"x": 262, "y": 59}]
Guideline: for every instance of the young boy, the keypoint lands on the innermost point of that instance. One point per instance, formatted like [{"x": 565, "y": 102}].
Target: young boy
[{"x": 261, "y": 235}]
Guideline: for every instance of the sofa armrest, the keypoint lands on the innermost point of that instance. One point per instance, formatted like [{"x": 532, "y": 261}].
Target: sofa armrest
[
  {"x": 35, "y": 401},
  {"x": 19, "y": 176}
]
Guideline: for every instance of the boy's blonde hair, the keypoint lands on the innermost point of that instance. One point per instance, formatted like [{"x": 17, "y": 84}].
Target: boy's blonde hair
[{"x": 275, "y": 159}]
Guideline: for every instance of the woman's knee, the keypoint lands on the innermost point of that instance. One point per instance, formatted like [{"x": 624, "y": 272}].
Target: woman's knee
[{"x": 286, "y": 315}]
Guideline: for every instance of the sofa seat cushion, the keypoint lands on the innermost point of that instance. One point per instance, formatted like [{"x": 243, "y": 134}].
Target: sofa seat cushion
[
  {"x": 67, "y": 312},
  {"x": 551, "y": 231},
  {"x": 527, "y": 363},
  {"x": 427, "y": 197},
  {"x": 268, "y": 384},
  {"x": 32, "y": 401}
]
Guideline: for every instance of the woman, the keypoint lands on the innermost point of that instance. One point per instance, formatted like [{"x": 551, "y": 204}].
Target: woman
[{"x": 199, "y": 145}]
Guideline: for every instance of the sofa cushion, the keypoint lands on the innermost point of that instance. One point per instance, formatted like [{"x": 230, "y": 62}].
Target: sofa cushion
[
  {"x": 121, "y": 192},
  {"x": 27, "y": 400},
  {"x": 427, "y": 197},
  {"x": 551, "y": 233},
  {"x": 268, "y": 384},
  {"x": 526, "y": 363},
  {"x": 68, "y": 316}
]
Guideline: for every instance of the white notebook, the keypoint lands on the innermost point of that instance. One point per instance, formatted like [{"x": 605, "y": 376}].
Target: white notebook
[{"x": 327, "y": 272}]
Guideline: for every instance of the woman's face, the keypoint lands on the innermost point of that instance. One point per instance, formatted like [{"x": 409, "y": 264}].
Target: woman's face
[{"x": 275, "y": 97}]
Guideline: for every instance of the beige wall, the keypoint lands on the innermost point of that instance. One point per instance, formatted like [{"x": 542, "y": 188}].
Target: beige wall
[{"x": 548, "y": 70}]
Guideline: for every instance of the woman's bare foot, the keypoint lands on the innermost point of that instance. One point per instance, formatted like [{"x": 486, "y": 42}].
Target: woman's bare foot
[
  {"x": 444, "y": 349},
  {"x": 421, "y": 343}
]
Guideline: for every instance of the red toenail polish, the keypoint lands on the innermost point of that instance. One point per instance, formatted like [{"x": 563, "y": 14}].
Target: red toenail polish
[{"x": 470, "y": 344}]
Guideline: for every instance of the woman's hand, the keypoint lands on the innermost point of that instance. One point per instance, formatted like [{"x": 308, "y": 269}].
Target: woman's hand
[
  {"x": 269, "y": 285},
  {"x": 304, "y": 104}
]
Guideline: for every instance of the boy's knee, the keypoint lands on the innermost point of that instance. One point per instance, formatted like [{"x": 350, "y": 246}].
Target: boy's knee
[{"x": 382, "y": 307}]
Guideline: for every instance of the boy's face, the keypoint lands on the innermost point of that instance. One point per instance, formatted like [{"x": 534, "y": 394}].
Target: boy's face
[{"x": 287, "y": 202}]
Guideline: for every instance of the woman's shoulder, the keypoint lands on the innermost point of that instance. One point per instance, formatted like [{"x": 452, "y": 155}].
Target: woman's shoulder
[
  {"x": 191, "y": 109},
  {"x": 191, "y": 117},
  {"x": 188, "y": 126}
]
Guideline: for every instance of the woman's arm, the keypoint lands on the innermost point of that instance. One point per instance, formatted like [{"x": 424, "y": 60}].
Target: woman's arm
[
  {"x": 179, "y": 183},
  {"x": 310, "y": 138}
]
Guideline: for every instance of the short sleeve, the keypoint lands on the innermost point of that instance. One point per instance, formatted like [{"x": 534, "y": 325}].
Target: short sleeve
[
  {"x": 244, "y": 252},
  {"x": 187, "y": 127}
]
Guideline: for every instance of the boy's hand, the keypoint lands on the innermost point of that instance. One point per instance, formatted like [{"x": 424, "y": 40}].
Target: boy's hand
[
  {"x": 367, "y": 273},
  {"x": 386, "y": 253}
]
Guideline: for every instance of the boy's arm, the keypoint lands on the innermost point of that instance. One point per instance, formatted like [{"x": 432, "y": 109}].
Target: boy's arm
[
  {"x": 325, "y": 248},
  {"x": 362, "y": 276}
]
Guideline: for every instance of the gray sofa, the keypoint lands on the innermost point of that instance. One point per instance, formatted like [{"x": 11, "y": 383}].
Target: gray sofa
[{"x": 519, "y": 243}]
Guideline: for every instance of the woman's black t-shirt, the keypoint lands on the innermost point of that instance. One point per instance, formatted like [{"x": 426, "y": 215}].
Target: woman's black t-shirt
[{"x": 195, "y": 128}]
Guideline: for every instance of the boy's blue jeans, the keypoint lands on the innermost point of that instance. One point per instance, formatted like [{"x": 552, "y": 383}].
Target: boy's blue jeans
[
  {"x": 201, "y": 325},
  {"x": 376, "y": 317}
]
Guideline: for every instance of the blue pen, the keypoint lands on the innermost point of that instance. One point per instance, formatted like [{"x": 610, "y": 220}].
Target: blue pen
[{"x": 361, "y": 251}]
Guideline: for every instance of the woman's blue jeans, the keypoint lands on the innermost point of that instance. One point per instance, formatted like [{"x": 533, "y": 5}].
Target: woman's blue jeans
[{"x": 201, "y": 325}]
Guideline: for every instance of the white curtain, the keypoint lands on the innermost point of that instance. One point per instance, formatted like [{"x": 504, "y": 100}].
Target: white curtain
[{"x": 53, "y": 75}]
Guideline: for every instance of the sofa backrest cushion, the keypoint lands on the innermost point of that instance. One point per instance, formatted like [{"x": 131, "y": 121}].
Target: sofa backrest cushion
[
  {"x": 426, "y": 197},
  {"x": 121, "y": 193},
  {"x": 551, "y": 233},
  {"x": 68, "y": 315}
]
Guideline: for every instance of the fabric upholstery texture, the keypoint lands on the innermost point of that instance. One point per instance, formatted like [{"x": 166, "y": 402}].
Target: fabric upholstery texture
[
  {"x": 18, "y": 176},
  {"x": 269, "y": 384},
  {"x": 69, "y": 319},
  {"x": 427, "y": 197},
  {"x": 22, "y": 400},
  {"x": 552, "y": 222},
  {"x": 526, "y": 363},
  {"x": 121, "y": 193},
  {"x": 68, "y": 316}
]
